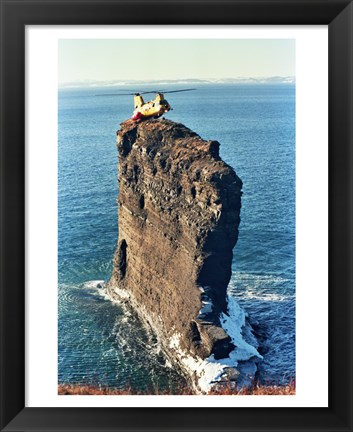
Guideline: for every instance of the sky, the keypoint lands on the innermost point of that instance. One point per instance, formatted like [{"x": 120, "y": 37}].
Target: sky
[{"x": 83, "y": 60}]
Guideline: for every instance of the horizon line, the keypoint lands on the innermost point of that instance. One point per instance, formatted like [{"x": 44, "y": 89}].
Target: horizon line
[{"x": 276, "y": 79}]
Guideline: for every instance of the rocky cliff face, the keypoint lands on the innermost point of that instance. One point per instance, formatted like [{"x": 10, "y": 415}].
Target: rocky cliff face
[{"x": 178, "y": 215}]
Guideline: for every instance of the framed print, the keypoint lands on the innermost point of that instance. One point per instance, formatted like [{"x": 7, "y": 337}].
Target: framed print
[{"x": 195, "y": 268}]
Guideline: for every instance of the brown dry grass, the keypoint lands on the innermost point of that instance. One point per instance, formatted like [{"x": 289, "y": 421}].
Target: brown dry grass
[
  {"x": 77, "y": 390},
  {"x": 255, "y": 389},
  {"x": 259, "y": 390}
]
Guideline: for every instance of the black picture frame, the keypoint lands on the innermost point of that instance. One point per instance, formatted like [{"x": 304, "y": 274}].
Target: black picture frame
[{"x": 15, "y": 15}]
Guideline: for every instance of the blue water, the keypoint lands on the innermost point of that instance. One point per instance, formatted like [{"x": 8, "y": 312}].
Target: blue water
[{"x": 255, "y": 124}]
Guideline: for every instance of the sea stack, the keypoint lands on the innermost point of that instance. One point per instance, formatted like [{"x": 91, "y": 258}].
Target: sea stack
[{"x": 178, "y": 217}]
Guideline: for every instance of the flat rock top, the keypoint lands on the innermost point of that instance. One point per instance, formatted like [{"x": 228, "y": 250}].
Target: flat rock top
[{"x": 180, "y": 145}]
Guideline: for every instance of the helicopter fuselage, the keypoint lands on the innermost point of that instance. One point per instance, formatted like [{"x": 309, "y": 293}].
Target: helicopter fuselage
[{"x": 155, "y": 108}]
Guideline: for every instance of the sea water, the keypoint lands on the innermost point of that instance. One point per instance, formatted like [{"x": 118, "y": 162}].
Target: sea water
[{"x": 101, "y": 343}]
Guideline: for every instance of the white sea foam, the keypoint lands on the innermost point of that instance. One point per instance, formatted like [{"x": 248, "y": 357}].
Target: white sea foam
[
  {"x": 103, "y": 293},
  {"x": 207, "y": 307},
  {"x": 265, "y": 296},
  {"x": 122, "y": 293},
  {"x": 93, "y": 284},
  {"x": 207, "y": 371},
  {"x": 99, "y": 286},
  {"x": 210, "y": 370},
  {"x": 267, "y": 278},
  {"x": 239, "y": 331},
  {"x": 267, "y": 288}
]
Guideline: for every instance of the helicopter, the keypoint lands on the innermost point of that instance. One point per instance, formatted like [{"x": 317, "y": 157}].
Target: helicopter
[{"x": 152, "y": 109}]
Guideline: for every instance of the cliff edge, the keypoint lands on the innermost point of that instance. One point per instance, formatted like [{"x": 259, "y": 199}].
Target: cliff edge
[{"x": 178, "y": 216}]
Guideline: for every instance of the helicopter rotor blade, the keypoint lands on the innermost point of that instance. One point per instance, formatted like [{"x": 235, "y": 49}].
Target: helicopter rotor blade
[
  {"x": 136, "y": 93},
  {"x": 151, "y": 91},
  {"x": 145, "y": 92},
  {"x": 116, "y": 94},
  {"x": 165, "y": 91},
  {"x": 177, "y": 91}
]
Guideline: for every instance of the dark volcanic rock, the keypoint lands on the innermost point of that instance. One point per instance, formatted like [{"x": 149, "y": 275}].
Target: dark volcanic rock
[{"x": 178, "y": 213}]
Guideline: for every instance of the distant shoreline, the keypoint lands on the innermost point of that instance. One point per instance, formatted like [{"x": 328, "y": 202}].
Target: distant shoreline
[{"x": 289, "y": 80}]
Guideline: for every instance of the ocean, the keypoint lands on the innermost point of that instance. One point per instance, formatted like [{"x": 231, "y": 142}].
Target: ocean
[{"x": 100, "y": 343}]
